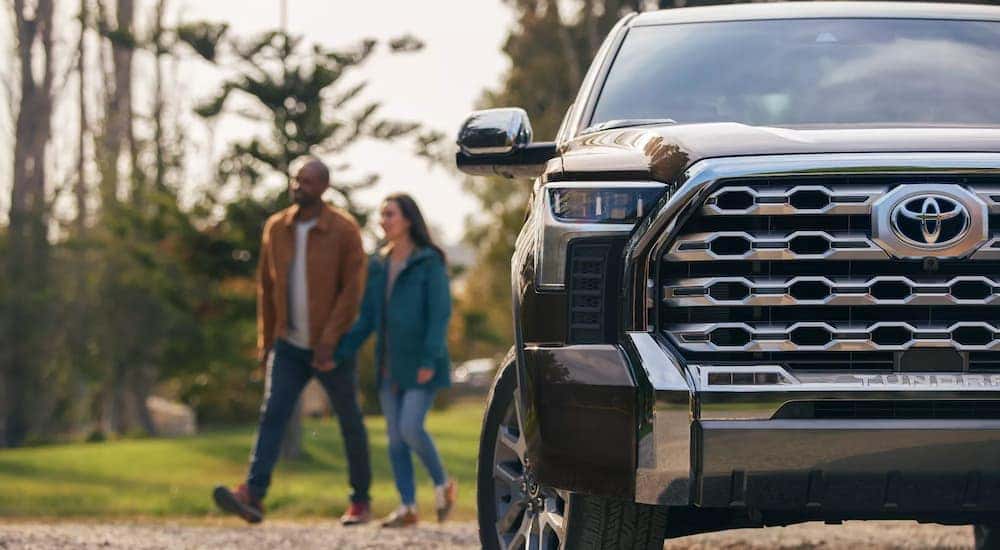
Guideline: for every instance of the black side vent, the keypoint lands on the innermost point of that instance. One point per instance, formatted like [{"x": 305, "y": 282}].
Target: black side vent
[
  {"x": 587, "y": 265},
  {"x": 592, "y": 280}
]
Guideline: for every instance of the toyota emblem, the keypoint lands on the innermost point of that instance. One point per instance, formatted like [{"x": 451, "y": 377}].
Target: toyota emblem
[
  {"x": 930, "y": 220},
  {"x": 924, "y": 220}
]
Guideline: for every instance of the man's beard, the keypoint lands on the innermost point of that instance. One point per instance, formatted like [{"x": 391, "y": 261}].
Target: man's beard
[{"x": 305, "y": 201}]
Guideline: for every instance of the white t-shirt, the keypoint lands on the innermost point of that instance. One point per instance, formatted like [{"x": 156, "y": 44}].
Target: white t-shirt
[{"x": 298, "y": 291}]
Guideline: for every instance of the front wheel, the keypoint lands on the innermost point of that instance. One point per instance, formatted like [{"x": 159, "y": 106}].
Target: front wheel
[{"x": 517, "y": 512}]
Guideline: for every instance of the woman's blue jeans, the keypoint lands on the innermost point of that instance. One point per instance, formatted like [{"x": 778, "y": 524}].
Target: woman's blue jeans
[{"x": 405, "y": 411}]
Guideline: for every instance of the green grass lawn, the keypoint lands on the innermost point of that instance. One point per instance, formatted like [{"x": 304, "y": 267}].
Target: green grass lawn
[{"x": 175, "y": 477}]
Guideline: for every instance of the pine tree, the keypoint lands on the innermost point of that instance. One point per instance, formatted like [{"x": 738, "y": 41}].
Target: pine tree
[{"x": 299, "y": 93}]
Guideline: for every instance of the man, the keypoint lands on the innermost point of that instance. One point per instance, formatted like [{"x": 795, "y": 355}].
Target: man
[{"x": 310, "y": 284}]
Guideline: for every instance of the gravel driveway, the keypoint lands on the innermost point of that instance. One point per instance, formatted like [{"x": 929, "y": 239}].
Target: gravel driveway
[{"x": 301, "y": 535}]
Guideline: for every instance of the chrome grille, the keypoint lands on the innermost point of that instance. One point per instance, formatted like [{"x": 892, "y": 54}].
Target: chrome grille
[{"x": 783, "y": 269}]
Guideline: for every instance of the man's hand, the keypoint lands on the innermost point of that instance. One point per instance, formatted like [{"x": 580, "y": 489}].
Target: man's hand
[
  {"x": 424, "y": 375},
  {"x": 323, "y": 358}
]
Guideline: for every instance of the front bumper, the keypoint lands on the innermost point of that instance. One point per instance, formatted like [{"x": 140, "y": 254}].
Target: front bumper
[
  {"x": 712, "y": 442},
  {"x": 896, "y": 466}
]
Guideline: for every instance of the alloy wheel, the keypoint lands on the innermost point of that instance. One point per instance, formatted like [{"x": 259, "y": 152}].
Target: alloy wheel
[{"x": 529, "y": 515}]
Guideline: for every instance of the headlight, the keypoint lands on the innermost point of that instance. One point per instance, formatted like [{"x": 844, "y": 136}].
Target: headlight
[
  {"x": 590, "y": 209},
  {"x": 602, "y": 205}
]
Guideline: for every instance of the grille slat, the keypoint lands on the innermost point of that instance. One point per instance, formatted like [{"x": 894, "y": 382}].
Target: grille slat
[
  {"x": 826, "y": 195},
  {"x": 882, "y": 336},
  {"x": 707, "y": 247},
  {"x": 795, "y": 199},
  {"x": 812, "y": 290},
  {"x": 784, "y": 270}
]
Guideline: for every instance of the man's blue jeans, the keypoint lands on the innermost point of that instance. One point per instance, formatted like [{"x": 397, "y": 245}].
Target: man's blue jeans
[
  {"x": 288, "y": 374},
  {"x": 405, "y": 411}
]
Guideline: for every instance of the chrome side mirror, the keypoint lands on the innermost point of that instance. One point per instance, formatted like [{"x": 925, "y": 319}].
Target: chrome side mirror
[
  {"x": 497, "y": 142},
  {"x": 495, "y": 132}
]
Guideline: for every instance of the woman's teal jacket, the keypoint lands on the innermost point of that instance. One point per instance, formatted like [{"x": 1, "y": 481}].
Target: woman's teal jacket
[{"x": 415, "y": 319}]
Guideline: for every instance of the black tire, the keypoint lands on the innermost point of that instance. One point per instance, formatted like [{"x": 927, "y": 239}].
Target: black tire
[
  {"x": 987, "y": 537},
  {"x": 587, "y": 522},
  {"x": 604, "y": 523}
]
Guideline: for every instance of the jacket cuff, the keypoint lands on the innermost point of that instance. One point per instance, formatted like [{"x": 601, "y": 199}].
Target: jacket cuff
[{"x": 427, "y": 362}]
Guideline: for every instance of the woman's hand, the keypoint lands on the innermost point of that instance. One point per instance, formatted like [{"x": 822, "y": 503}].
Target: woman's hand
[{"x": 424, "y": 375}]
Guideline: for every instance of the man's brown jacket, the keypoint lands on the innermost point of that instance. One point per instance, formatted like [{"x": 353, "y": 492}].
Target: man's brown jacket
[{"x": 335, "y": 275}]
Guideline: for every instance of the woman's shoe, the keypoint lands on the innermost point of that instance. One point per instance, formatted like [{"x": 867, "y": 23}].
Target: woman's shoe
[
  {"x": 404, "y": 516},
  {"x": 444, "y": 496}
]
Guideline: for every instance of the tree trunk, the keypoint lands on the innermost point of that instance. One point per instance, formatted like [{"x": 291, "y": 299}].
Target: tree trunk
[
  {"x": 81, "y": 165},
  {"x": 159, "y": 102},
  {"x": 119, "y": 401},
  {"x": 118, "y": 108},
  {"x": 590, "y": 28},
  {"x": 116, "y": 133},
  {"x": 142, "y": 387},
  {"x": 4, "y": 393},
  {"x": 26, "y": 268},
  {"x": 572, "y": 59}
]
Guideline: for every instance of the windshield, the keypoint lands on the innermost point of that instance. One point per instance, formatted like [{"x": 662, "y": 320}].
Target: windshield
[{"x": 808, "y": 71}]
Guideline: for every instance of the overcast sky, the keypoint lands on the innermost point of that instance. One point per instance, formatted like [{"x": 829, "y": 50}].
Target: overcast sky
[{"x": 437, "y": 86}]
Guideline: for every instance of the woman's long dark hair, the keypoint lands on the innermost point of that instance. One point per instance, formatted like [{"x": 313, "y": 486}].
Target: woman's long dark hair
[{"x": 418, "y": 227}]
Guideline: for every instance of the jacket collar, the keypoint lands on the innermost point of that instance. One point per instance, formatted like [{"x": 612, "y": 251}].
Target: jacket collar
[
  {"x": 323, "y": 222},
  {"x": 419, "y": 254}
]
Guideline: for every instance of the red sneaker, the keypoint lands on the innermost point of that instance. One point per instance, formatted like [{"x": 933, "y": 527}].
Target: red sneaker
[
  {"x": 239, "y": 502},
  {"x": 356, "y": 514}
]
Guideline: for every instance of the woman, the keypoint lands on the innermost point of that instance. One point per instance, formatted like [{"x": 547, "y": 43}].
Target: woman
[{"x": 408, "y": 302}]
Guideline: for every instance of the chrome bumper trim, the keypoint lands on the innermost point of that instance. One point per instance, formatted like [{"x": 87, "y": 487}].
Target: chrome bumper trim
[
  {"x": 663, "y": 474},
  {"x": 757, "y": 392}
]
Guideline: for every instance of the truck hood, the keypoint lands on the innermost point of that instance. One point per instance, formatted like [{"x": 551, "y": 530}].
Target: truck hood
[{"x": 663, "y": 152}]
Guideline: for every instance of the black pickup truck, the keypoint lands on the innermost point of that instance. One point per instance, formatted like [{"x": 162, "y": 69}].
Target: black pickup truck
[{"x": 759, "y": 280}]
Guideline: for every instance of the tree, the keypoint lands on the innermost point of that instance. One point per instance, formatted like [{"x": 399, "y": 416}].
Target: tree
[
  {"x": 26, "y": 263},
  {"x": 116, "y": 133},
  {"x": 143, "y": 296},
  {"x": 299, "y": 94}
]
